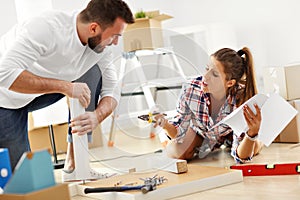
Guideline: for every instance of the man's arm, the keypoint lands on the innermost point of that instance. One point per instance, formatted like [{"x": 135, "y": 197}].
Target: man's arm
[
  {"x": 29, "y": 83},
  {"x": 105, "y": 107}
]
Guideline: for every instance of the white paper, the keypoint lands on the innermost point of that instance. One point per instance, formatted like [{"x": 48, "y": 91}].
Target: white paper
[{"x": 276, "y": 114}]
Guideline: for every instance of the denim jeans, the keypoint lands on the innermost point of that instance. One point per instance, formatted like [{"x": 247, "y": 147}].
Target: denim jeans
[
  {"x": 14, "y": 122},
  {"x": 93, "y": 79}
]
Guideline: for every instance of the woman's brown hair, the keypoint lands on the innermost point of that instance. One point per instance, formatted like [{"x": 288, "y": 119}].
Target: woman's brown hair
[{"x": 238, "y": 65}]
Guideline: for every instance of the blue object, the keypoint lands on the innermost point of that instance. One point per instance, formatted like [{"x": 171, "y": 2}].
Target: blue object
[
  {"x": 34, "y": 171},
  {"x": 5, "y": 169}
]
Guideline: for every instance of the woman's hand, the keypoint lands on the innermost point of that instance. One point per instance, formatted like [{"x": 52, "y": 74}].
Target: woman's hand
[
  {"x": 160, "y": 120},
  {"x": 253, "y": 120}
]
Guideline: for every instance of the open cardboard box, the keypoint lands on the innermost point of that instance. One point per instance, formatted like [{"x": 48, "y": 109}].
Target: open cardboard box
[
  {"x": 59, "y": 192},
  {"x": 145, "y": 33},
  {"x": 283, "y": 81},
  {"x": 291, "y": 133},
  {"x": 39, "y": 137}
]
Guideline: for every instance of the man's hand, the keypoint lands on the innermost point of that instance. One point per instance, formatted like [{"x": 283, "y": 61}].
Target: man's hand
[
  {"x": 84, "y": 123},
  {"x": 82, "y": 92},
  {"x": 40, "y": 85}
]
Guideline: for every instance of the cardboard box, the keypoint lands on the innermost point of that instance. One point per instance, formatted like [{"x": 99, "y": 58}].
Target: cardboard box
[
  {"x": 291, "y": 133},
  {"x": 60, "y": 191},
  {"x": 39, "y": 137},
  {"x": 283, "y": 80},
  {"x": 145, "y": 33}
]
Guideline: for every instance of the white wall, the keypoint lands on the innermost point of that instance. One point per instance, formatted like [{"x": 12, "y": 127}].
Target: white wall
[
  {"x": 30, "y": 8},
  {"x": 69, "y": 5},
  {"x": 269, "y": 27},
  {"x": 8, "y": 15}
]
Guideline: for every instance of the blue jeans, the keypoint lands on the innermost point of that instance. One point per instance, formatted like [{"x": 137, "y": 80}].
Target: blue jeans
[
  {"x": 93, "y": 79},
  {"x": 14, "y": 122}
]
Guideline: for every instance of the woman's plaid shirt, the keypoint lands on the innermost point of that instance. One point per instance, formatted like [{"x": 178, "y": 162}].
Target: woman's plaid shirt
[{"x": 193, "y": 111}]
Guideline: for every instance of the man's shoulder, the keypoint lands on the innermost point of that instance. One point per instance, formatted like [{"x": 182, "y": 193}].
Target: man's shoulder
[
  {"x": 60, "y": 13},
  {"x": 58, "y": 17},
  {"x": 52, "y": 23}
]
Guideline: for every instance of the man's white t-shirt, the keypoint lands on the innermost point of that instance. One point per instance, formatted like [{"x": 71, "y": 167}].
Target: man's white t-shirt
[{"x": 49, "y": 46}]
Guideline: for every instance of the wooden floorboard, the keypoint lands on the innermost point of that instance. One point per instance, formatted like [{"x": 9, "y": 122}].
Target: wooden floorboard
[{"x": 259, "y": 187}]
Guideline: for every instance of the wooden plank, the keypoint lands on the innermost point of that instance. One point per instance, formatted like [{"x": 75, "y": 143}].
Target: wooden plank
[{"x": 196, "y": 179}]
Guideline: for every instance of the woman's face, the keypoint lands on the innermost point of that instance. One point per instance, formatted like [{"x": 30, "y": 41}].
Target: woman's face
[{"x": 215, "y": 78}]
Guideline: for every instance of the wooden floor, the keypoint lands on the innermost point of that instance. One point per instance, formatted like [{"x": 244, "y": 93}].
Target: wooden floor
[{"x": 255, "y": 187}]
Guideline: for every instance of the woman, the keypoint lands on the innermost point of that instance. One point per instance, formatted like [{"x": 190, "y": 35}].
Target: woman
[{"x": 206, "y": 100}]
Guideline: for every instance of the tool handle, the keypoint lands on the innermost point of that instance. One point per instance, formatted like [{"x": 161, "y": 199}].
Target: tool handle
[{"x": 111, "y": 189}]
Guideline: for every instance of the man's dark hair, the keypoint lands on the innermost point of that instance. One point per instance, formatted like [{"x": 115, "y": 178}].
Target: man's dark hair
[{"x": 105, "y": 12}]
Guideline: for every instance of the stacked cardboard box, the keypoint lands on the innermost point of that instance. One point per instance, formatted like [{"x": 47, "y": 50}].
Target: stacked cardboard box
[
  {"x": 285, "y": 81},
  {"x": 145, "y": 33},
  {"x": 39, "y": 137}
]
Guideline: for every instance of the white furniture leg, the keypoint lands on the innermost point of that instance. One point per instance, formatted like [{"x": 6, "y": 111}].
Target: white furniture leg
[{"x": 80, "y": 145}]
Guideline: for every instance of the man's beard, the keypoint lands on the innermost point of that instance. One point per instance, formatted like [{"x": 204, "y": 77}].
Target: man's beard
[{"x": 95, "y": 43}]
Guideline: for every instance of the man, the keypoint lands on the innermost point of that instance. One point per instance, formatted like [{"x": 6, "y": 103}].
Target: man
[{"x": 41, "y": 58}]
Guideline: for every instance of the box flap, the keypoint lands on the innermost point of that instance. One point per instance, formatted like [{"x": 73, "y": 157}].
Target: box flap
[
  {"x": 162, "y": 17},
  {"x": 154, "y": 15},
  {"x": 139, "y": 20}
]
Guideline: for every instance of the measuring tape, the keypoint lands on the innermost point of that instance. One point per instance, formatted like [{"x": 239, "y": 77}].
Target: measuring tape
[{"x": 268, "y": 169}]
